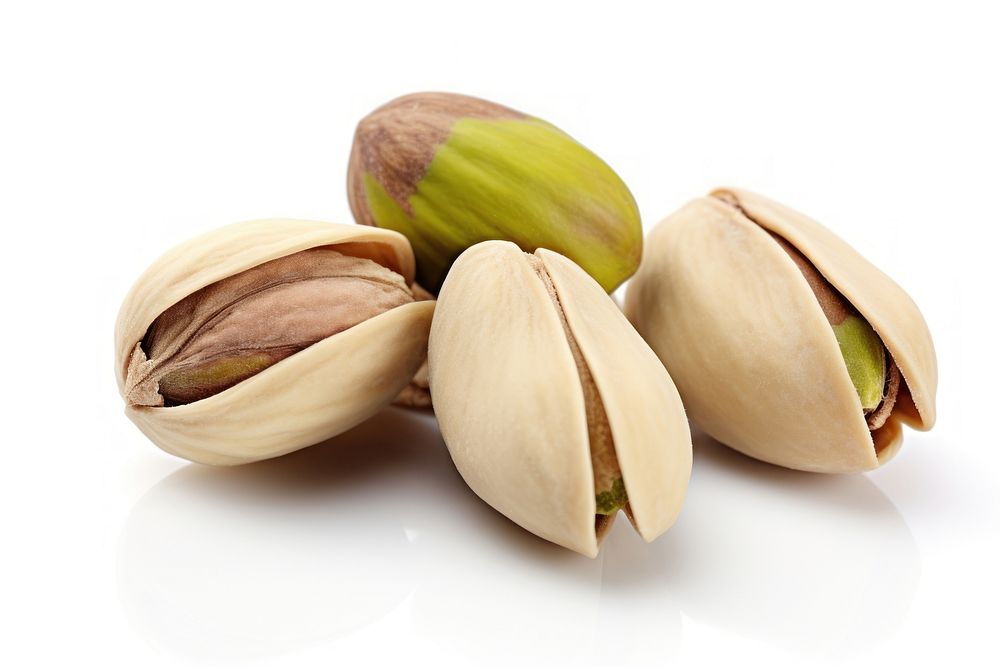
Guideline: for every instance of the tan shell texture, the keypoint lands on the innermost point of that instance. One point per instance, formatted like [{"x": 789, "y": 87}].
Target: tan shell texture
[
  {"x": 312, "y": 395},
  {"x": 510, "y": 403},
  {"x": 745, "y": 340}
]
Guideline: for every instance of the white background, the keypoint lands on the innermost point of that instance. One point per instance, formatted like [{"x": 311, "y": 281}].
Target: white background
[{"x": 128, "y": 127}]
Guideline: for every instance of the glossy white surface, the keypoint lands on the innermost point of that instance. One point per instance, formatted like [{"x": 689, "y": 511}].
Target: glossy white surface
[
  {"x": 352, "y": 535},
  {"x": 126, "y": 128}
]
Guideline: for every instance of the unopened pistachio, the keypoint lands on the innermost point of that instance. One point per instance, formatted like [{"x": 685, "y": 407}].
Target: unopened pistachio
[
  {"x": 264, "y": 337},
  {"x": 784, "y": 342},
  {"x": 449, "y": 171},
  {"x": 553, "y": 408}
]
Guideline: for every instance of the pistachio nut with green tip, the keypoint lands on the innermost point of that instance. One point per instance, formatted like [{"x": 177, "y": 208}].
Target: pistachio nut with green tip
[
  {"x": 554, "y": 410},
  {"x": 449, "y": 171},
  {"x": 785, "y": 343}
]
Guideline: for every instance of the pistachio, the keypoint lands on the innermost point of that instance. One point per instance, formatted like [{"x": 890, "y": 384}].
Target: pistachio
[
  {"x": 554, "y": 410},
  {"x": 785, "y": 343},
  {"x": 264, "y": 337},
  {"x": 449, "y": 171}
]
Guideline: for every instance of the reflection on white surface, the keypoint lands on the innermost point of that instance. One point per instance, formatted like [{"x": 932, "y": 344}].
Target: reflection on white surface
[
  {"x": 491, "y": 593},
  {"x": 298, "y": 552},
  {"x": 815, "y": 563},
  {"x": 262, "y": 559}
]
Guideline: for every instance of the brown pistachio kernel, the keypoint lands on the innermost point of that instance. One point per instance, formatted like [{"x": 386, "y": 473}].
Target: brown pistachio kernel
[{"x": 237, "y": 327}]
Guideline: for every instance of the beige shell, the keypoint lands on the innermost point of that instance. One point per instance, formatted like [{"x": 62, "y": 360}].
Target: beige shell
[
  {"x": 312, "y": 395},
  {"x": 743, "y": 336},
  {"x": 510, "y": 403}
]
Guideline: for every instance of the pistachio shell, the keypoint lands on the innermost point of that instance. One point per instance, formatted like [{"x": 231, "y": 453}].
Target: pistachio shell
[
  {"x": 310, "y": 396},
  {"x": 755, "y": 359},
  {"x": 510, "y": 403}
]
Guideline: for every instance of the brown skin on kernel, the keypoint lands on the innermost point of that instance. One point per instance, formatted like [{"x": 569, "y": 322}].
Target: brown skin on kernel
[
  {"x": 835, "y": 307},
  {"x": 232, "y": 329},
  {"x": 877, "y": 418},
  {"x": 396, "y": 143}
]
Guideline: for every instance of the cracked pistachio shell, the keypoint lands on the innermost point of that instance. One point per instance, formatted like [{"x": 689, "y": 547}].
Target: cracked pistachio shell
[
  {"x": 313, "y": 394},
  {"x": 511, "y": 406},
  {"x": 449, "y": 171},
  {"x": 754, "y": 357}
]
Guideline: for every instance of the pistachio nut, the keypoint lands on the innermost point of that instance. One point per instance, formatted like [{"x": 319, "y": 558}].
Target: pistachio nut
[
  {"x": 554, "y": 410},
  {"x": 449, "y": 171},
  {"x": 264, "y": 337},
  {"x": 785, "y": 343}
]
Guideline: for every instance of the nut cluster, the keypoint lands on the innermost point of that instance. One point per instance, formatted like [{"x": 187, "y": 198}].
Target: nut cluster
[{"x": 478, "y": 280}]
